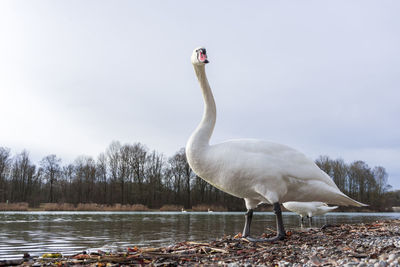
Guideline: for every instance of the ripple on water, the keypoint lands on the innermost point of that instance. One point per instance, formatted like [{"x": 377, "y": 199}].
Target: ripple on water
[{"x": 74, "y": 232}]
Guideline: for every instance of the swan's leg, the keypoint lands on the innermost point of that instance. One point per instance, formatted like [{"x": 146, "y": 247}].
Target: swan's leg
[
  {"x": 249, "y": 217},
  {"x": 279, "y": 222},
  {"x": 280, "y": 229}
]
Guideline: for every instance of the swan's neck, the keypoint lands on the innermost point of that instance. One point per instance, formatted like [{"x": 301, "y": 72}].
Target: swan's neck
[{"x": 200, "y": 138}]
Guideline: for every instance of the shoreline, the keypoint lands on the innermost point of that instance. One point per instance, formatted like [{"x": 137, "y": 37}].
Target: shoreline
[
  {"x": 22, "y": 206},
  {"x": 189, "y": 211},
  {"x": 331, "y": 245}
]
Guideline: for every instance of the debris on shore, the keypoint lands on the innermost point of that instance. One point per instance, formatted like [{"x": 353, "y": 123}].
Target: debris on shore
[{"x": 374, "y": 244}]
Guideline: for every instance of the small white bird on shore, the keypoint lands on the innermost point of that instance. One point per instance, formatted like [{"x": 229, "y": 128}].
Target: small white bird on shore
[{"x": 308, "y": 209}]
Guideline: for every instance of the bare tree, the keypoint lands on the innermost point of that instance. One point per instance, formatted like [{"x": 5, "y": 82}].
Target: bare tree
[
  {"x": 51, "y": 169},
  {"x": 339, "y": 173},
  {"x": 154, "y": 173},
  {"x": 102, "y": 173},
  {"x": 325, "y": 164},
  {"x": 381, "y": 179},
  {"x": 5, "y": 166},
  {"x": 176, "y": 170},
  {"x": 138, "y": 160},
  {"x": 85, "y": 178},
  {"x": 114, "y": 162}
]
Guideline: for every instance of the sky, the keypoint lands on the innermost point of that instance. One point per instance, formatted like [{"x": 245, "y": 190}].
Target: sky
[{"x": 320, "y": 76}]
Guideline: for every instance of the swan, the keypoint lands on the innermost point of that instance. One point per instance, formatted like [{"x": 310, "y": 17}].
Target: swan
[
  {"x": 257, "y": 171},
  {"x": 209, "y": 211},
  {"x": 182, "y": 210},
  {"x": 308, "y": 209}
]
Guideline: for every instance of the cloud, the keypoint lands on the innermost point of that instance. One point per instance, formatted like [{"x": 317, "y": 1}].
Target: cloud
[{"x": 317, "y": 76}]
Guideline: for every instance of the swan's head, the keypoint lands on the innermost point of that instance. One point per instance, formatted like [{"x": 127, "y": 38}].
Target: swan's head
[{"x": 199, "y": 56}]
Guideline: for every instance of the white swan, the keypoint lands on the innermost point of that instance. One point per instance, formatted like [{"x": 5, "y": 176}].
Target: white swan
[
  {"x": 209, "y": 211},
  {"x": 182, "y": 210},
  {"x": 257, "y": 171},
  {"x": 308, "y": 209}
]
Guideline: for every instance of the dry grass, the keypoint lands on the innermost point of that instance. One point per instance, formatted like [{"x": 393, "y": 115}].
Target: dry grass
[
  {"x": 134, "y": 207},
  {"x": 88, "y": 207},
  {"x": 115, "y": 207},
  {"x": 171, "y": 208},
  {"x": 205, "y": 207},
  {"x": 20, "y": 206},
  {"x": 57, "y": 207}
]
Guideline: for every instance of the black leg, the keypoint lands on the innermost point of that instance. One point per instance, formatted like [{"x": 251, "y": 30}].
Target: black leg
[
  {"x": 279, "y": 222},
  {"x": 249, "y": 217},
  {"x": 280, "y": 229}
]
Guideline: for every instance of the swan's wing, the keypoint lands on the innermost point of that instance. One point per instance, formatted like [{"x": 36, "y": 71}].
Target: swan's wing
[
  {"x": 279, "y": 159},
  {"x": 275, "y": 171}
]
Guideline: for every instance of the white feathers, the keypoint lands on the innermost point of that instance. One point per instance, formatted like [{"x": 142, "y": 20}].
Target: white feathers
[
  {"x": 309, "y": 209},
  {"x": 258, "y": 171}
]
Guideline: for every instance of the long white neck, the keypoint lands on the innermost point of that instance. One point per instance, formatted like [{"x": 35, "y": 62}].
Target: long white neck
[{"x": 199, "y": 140}]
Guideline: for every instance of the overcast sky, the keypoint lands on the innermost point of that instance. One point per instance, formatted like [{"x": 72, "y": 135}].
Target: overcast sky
[{"x": 320, "y": 76}]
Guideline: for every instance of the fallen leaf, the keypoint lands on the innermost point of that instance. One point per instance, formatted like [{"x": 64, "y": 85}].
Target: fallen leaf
[
  {"x": 134, "y": 249},
  {"x": 239, "y": 235}
]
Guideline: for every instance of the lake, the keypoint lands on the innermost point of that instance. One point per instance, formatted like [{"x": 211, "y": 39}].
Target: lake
[{"x": 72, "y": 232}]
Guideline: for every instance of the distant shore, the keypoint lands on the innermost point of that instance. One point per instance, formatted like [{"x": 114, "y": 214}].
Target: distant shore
[
  {"x": 373, "y": 244},
  {"x": 23, "y": 206}
]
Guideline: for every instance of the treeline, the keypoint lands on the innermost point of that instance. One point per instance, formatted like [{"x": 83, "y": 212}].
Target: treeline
[
  {"x": 124, "y": 174},
  {"x": 132, "y": 174},
  {"x": 360, "y": 182}
]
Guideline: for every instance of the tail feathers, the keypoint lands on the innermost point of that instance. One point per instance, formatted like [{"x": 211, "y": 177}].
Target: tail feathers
[
  {"x": 347, "y": 201},
  {"x": 331, "y": 208}
]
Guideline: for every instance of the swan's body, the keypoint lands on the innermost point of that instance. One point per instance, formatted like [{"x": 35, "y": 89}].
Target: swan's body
[
  {"x": 308, "y": 209},
  {"x": 257, "y": 171},
  {"x": 264, "y": 172}
]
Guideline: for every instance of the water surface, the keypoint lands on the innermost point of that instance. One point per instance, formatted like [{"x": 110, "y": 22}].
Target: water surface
[{"x": 72, "y": 232}]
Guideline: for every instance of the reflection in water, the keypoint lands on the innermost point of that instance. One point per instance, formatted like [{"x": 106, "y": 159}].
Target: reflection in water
[{"x": 72, "y": 232}]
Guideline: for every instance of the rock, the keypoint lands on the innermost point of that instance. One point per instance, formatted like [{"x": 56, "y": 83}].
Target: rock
[
  {"x": 351, "y": 264},
  {"x": 391, "y": 257},
  {"x": 315, "y": 260},
  {"x": 383, "y": 257}
]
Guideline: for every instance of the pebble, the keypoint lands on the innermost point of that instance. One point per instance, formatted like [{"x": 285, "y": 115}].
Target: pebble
[
  {"x": 351, "y": 264},
  {"x": 391, "y": 257}
]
